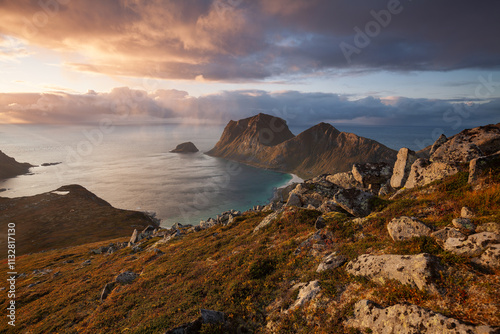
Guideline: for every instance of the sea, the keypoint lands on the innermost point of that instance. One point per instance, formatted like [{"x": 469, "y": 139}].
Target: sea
[{"x": 131, "y": 166}]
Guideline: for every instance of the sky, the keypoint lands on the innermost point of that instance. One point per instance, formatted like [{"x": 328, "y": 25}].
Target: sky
[{"x": 366, "y": 62}]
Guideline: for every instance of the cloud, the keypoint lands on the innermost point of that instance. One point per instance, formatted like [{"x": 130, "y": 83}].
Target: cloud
[
  {"x": 125, "y": 105},
  {"x": 234, "y": 40}
]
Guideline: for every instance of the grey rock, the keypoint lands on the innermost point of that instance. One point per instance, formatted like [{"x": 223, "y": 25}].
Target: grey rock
[
  {"x": 86, "y": 263},
  {"x": 354, "y": 201},
  {"x": 457, "y": 149},
  {"x": 474, "y": 245},
  {"x": 444, "y": 234},
  {"x": 438, "y": 143},
  {"x": 267, "y": 220},
  {"x": 107, "y": 290},
  {"x": 134, "y": 238},
  {"x": 491, "y": 257},
  {"x": 489, "y": 227},
  {"x": 371, "y": 173},
  {"x": 408, "y": 319},
  {"x": 345, "y": 180},
  {"x": 212, "y": 317},
  {"x": 331, "y": 261},
  {"x": 416, "y": 270},
  {"x": 466, "y": 213},
  {"x": 424, "y": 172},
  {"x": 464, "y": 224},
  {"x": 402, "y": 167},
  {"x": 480, "y": 166},
  {"x": 126, "y": 277},
  {"x": 405, "y": 228},
  {"x": 294, "y": 200},
  {"x": 320, "y": 223},
  {"x": 385, "y": 189},
  {"x": 306, "y": 293}
]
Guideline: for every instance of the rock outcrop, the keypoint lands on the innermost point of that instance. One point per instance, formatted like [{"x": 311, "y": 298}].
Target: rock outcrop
[
  {"x": 408, "y": 319},
  {"x": 415, "y": 270},
  {"x": 9, "y": 167},
  {"x": 402, "y": 167},
  {"x": 187, "y": 147},
  {"x": 424, "y": 172},
  {"x": 265, "y": 141},
  {"x": 405, "y": 228}
]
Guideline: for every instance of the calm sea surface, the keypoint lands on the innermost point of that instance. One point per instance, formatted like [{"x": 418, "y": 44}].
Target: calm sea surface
[{"x": 131, "y": 167}]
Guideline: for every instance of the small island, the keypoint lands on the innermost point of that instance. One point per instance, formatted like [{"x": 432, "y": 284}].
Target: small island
[{"x": 187, "y": 147}]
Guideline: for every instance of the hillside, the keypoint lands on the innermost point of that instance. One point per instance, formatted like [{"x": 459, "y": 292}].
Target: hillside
[
  {"x": 265, "y": 141},
  {"x": 9, "y": 167},
  {"x": 68, "y": 216},
  {"x": 430, "y": 253}
]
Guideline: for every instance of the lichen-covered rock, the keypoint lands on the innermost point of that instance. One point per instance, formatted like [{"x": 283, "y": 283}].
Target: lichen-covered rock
[
  {"x": 444, "y": 234},
  {"x": 408, "y": 319},
  {"x": 464, "y": 224},
  {"x": 416, "y": 270},
  {"x": 489, "y": 227},
  {"x": 424, "y": 172},
  {"x": 126, "y": 277},
  {"x": 345, "y": 180},
  {"x": 438, "y": 143},
  {"x": 354, "y": 201},
  {"x": 480, "y": 166},
  {"x": 294, "y": 200},
  {"x": 212, "y": 317},
  {"x": 371, "y": 173},
  {"x": 466, "y": 213},
  {"x": 306, "y": 293},
  {"x": 474, "y": 245},
  {"x": 491, "y": 257},
  {"x": 405, "y": 228},
  {"x": 267, "y": 220},
  {"x": 402, "y": 167},
  {"x": 331, "y": 261}
]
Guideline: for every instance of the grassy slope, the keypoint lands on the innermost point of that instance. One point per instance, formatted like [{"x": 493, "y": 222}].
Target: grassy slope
[{"x": 249, "y": 276}]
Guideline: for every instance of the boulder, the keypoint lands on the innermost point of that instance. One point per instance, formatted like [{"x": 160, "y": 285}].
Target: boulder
[
  {"x": 424, "y": 172},
  {"x": 480, "y": 166},
  {"x": 466, "y": 213},
  {"x": 331, "y": 261},
  {"x": 438, "y": 143},
  {"x": 469, "y": 144},
  {"x": 416, "y": 270},
  {"x": 134, "y": 238},
  {"x": 345, "y": 180},
  {"x": 294, "y": 200},
  {"x": 464, "y": 225},
  {"x": 187, "y": 147},
  {"x": 306, "y": 293},
  {"x": 402, "y": 167},
  {"x": 107, "y": 290},
  {"x": 490, "y": 258},
  {"x": 212, "y": 317},
  {"x": 374, "y": 174},
  {"x": 320, "y": 223},
  {"x": 126, "y": 277},
  {"x": 473, "y": 246},
  {"x": 405, "y": 228},
  {"x": 267, "y": 220},
  {"x": 489, "y": 227},
  {"x": 408, "y": 319},
  {"x": 444, "y": 234},
  {"x": 354, "y": 201}
]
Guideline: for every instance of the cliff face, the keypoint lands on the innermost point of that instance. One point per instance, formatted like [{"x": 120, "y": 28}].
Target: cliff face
[
  {"x": 9, "y": 167},
  {"x": 265, "y": 141}
]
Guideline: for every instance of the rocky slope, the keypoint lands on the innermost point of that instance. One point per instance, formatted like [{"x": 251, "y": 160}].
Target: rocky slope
[
  {"x": 68, "y": 216},
  {"x": 326, "y": 256},
  {"x": 265, "y": 141},
  {"x": 9, "y": 167}
]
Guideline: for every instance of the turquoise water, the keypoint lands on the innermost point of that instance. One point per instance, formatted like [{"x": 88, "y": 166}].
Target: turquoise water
[{"x": 131, "y": 168}]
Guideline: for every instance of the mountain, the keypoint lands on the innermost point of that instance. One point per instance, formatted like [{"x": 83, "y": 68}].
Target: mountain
[
  {"x": 265, "y": 141},
  {"x": 68, "y": 216},
  {"x": 9, "y": 167}
]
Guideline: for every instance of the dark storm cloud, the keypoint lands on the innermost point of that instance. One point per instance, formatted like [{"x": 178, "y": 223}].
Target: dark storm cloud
[{"x": 241, "y": 39}]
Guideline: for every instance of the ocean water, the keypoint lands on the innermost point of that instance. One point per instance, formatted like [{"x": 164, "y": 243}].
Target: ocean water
[{"x": 131, "y": 166}]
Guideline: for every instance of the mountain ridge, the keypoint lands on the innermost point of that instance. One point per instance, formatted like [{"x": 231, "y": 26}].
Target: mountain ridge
[{"x": 265, "y": 141}]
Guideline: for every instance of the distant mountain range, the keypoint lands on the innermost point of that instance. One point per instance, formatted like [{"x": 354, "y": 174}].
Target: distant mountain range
[{"x": 265, "y": 141}]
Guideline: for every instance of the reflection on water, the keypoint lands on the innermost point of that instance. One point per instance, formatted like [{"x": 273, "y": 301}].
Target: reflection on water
[{"x": 131, "y": 168}]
